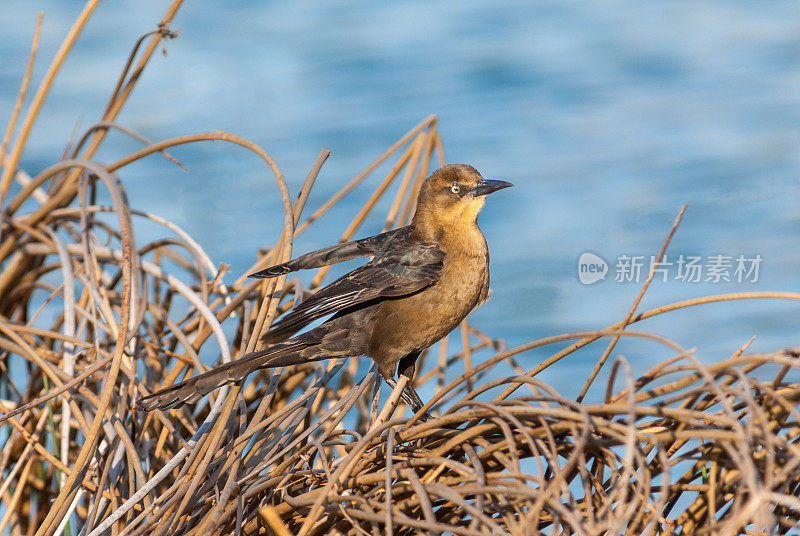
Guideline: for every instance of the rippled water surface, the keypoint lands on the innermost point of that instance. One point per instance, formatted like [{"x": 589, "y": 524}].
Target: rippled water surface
[{"x": 607, "y": 116}]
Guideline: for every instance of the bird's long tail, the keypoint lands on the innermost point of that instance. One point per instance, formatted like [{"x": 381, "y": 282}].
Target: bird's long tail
[{"x": 193, "y": 389}]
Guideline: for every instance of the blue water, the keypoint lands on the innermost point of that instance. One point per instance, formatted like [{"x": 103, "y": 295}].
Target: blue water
[{"x": 607, "y": 116}]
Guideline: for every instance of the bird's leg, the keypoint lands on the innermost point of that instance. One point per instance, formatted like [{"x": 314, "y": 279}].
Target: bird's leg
[
  {"x": 406, "y": 368},
  {"x": 410, "y": 397}
]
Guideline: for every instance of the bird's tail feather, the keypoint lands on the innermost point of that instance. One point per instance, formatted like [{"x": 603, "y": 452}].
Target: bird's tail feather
[{"x": 193, "y": 389}]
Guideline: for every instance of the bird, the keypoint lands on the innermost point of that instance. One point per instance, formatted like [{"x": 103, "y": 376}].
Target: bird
[{"x": 421, "y": 282}]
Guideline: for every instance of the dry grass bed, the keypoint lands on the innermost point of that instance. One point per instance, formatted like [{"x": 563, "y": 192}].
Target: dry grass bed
[{"x": 92, "y": 319}]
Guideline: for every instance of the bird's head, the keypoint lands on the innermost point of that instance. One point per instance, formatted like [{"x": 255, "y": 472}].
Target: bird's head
[{"x": 454, "y": 195}]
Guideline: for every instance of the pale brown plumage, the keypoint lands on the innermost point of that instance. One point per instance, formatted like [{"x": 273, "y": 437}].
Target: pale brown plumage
[{"x": 422, "y": 282}]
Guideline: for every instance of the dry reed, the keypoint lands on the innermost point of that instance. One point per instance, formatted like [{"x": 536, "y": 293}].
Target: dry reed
[{"x": 91, "y": 319}]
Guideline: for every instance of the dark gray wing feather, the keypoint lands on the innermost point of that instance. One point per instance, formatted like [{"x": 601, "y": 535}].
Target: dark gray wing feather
[
  {"x": 403, "y": 266},
  {"x": 331, "y": 255}
]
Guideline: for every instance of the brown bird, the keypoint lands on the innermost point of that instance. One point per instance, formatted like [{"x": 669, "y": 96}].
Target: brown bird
[{"x": 421, "y": 283}]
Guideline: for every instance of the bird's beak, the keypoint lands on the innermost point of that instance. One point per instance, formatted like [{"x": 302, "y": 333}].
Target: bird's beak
[{"x": 485, "y": 187}]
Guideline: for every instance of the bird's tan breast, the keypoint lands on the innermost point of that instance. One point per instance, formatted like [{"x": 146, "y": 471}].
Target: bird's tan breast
[{"x": 418, "y": 321}]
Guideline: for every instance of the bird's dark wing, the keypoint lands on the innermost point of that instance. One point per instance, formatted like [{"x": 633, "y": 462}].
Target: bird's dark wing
[
  {"x": 403, "y": 266},
  {"x": 332, "y": 254}
]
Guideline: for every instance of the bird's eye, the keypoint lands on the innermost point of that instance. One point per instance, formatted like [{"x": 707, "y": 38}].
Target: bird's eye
[{"x": 455, "y": 188}]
